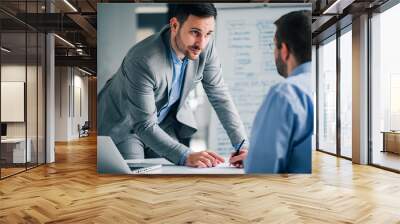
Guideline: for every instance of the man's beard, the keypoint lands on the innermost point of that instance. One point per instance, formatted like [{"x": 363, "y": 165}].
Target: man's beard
[
  {"x": 181, "y": 47},
  {"x": 281, "y": 66}
]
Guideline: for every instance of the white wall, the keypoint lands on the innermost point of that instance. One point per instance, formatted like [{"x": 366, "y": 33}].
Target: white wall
[
  {"x": 61, "y": 103},
  {"x": 12, "y": 73},
  {"x": 67, "y": 115},
  {"x": 33, "y": 126},
  {"x": 80, "y": 83}
]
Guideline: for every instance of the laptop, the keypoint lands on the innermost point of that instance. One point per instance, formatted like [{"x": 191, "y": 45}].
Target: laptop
[
  {"x": 110, "y": 160},
  {"x": 3, "y": 131}
]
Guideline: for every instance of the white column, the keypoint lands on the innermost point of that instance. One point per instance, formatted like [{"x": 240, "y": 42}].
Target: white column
[
  {"x": 50, "y": 103},
  {"x": 360, "y": 90},
  {"x": 50, "y": 92}
]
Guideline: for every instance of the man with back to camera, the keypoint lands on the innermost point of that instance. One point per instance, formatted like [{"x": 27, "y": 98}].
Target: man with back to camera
[
  {"x": 280, "y": 139},
  {"x": 143, "y": 107}
]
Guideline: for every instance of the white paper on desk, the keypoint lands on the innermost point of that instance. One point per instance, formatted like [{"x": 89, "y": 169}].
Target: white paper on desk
[
  {"x": 223, "y": 169},
  {"x": 224, "y": 165},
  {"x": 169, "y": 168}
]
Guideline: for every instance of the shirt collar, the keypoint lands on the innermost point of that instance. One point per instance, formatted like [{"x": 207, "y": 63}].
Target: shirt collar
[
  {"x": 174, "y": 57},
  {"x": 302, "y": 68}
]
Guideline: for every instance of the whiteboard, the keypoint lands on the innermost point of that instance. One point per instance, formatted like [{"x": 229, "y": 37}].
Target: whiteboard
[
  {"x": 243, "y": 36},
  {"x": 12, "y": 101}
]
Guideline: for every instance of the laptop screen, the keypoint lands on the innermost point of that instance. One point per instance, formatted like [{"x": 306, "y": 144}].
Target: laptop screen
[{"x": 3, "y": 129}]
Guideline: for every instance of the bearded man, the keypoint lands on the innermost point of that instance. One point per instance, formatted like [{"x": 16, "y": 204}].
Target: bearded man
[{"x": 143, "y": 107}]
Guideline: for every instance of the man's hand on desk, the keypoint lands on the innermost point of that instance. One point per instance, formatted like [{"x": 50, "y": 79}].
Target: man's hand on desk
[
  {"x": 203, "y": 159},
  {"x": 237, "y": 160}
]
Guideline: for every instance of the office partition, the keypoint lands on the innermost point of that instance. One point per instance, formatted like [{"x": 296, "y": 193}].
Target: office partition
[{"x": 22, "y": 78}]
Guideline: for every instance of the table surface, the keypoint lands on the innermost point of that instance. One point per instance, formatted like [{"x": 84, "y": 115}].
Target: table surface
[
  {"x": 391, "y": 132},
  {"x": 13, "y": 140},
  {"x": 169, "y": 168}
]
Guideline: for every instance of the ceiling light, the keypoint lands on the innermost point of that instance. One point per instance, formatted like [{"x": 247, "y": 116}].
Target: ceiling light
[
  {"x": 65, "y": 41},
  {"x": 84, "y": 71},
  {"x": 337, "y": 7},
  {"x": 79, "y": 51},
  {"x": 70, "y": 5},
  {"x": 5, "y": 50}
]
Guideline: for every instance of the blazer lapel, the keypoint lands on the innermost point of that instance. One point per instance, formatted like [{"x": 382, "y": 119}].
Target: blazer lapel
[
  {"x": 169, "y": 73},
  {"x": 189, "y": 75}
]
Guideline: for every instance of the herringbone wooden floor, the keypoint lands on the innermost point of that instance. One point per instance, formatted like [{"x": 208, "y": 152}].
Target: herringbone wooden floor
[{"x": 70, "y": 191}]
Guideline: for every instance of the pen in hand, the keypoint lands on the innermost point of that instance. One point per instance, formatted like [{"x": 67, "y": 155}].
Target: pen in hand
[
  {"x": 238, "y": 148},
  {"x": 238, "y": 164}
]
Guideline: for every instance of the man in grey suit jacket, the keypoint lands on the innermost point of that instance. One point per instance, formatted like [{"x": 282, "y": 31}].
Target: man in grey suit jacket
[{"x": 143, "y": 106}]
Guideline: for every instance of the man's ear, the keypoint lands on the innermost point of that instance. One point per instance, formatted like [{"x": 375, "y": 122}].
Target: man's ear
[
  {"x": 284, "y": 51},
  {"x": 174, "y": 24}
]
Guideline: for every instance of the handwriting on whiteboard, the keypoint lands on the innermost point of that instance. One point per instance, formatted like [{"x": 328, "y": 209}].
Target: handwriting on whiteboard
[{"x": 246, "y": 51}]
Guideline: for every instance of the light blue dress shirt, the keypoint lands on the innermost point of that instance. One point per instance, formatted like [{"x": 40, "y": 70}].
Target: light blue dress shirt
[
  {"x": 178, "y": 77},
  {"x": 174, "y": 95},
  {"x": 281, "y": 135}
]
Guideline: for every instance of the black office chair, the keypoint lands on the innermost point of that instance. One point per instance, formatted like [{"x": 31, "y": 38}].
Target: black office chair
[{"x": 84, "y": 130}]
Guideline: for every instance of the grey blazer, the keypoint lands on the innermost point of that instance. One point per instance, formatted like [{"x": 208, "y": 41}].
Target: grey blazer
[{"x": 129, "y": 101}]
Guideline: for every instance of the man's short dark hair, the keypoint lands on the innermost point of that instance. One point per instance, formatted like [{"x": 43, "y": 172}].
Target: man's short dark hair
[
  {"x": 182, "y": 11},
  {"x": 294, "y": 29}
]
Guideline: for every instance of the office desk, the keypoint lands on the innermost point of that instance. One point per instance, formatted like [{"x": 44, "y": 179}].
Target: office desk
[
  {"x": 170, "y": 168},
  {"x": 13, "y": 150},
  {"x": 391, "y": 141}
]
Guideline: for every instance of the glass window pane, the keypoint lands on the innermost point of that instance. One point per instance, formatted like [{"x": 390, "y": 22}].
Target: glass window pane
[
  {"x": 41, "y": 98},
  {"x": 32, "y": 86},
  {"x": 385, "y": 84},
  {"x": 346, "y": 94},
  {"x": 31, "y": 97},
  {"x": 327, "y": 97},
  {"x": 13, "y": 86},
  {"x": 314, "y": 84},
  {"x": 23, "y": 87}
]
